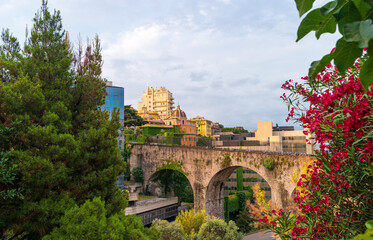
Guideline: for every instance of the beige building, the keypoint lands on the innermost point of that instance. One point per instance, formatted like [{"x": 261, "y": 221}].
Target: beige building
[
  {"x": 275, "y": 139},
  {"x": 158, "y": 100}
]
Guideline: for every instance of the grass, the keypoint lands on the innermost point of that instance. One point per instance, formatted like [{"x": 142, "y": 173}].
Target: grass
[{"x": 145, "y": 197}]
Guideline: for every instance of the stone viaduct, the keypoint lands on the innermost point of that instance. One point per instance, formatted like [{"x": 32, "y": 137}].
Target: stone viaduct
[{"x": 208, "y": 169}]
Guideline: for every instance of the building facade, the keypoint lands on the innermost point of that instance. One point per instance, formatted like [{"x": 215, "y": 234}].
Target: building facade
[
  {"x": 204, "y": 126},
  {"x": 250, "y": 178},
  {"x": 158, "y": 100},
  {"x": 115, "y": 100},
  {"x": 179, "y": 118},
  {"x": 269, "y": 138}
]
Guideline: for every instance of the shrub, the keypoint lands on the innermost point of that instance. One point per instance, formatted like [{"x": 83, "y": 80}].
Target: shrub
[
  {"x": 215, "y": 229},
  {"x": 227, "y": 162},
  {"x": 138, "y": 174},
  {"x": 191, "y": 221},
  {"x": 168, "y": 231},
  {"x": 336, "y": 199},
  {"x": 244, "y": 222},
  {"x": 269, "y": 163},
  {"x": 90, "y": 222}
]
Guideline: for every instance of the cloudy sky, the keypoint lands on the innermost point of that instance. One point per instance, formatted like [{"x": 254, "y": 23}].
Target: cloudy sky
[{"x": 222, "y": 59}]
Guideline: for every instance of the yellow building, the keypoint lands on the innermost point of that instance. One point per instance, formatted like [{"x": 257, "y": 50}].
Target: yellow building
[
  {"x": 158, "y": 100},
  {"x": 203, "y": 125}
]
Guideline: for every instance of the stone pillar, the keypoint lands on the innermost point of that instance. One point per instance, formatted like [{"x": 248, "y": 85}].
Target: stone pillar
[
  {"x": 199, "y": 196},
  {"x": 280, "y": 196}
]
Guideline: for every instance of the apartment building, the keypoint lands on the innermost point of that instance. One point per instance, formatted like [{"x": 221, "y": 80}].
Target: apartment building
[{"x": 156, "y": 100}]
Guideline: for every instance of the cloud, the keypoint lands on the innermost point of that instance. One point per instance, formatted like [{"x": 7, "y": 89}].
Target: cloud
[
  {"x": 225, "y": 1},
  {"x": 223, "y": 59},
  {"x": 198, "y": 76},
  {"x": 226, "y": 76}
]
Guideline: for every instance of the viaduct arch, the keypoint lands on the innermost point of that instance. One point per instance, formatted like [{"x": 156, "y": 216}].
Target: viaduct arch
[{"x": 207, "y": 170}]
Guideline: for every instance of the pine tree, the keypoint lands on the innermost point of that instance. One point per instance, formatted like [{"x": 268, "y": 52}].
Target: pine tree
[{"x": 65, "y": 148}]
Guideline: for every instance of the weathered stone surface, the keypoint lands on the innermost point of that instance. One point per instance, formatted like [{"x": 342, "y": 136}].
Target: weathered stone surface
[{"x": 208, "y": 169}]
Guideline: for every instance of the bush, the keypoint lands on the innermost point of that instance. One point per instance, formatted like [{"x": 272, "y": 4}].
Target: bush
[
  {"x": 244, "y": 222},
  {"x": 215, "y": 229},
  {"x": 90, "y": 222},
  {"x": 190, "y": 221},
  {"x": 227, "y": 162},
  {"x": 138, "y": 174},
  {"x": 269, "y": 163},
  {"x": 168, "y": 231}
]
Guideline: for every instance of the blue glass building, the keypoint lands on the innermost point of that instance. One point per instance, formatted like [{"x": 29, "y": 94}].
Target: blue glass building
[{"x": 115, "y": 99}]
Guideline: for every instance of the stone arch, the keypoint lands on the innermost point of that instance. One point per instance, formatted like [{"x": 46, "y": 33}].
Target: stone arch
[
  {"x": 156, "y": 172},
  {"x": 214, "y": 199}
]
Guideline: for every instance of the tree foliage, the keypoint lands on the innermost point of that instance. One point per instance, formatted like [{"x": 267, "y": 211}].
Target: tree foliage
[
  {"x": 216, "y": 228},
  {"x": 169, "y": 231},
  {"x": 174, "y": 180},
  {"x": 8, "y": 178},
  {"x": 131, "y": 119},
  {"x": 353, "y": 19},
  {"x": 90, "y": 221},
  {"x": 191, "y": 221},
  {"x": 204, "y": 141},
  {"x": 235, "y": 130},
  {"x": 138, "y": 174},
  {"x": 65, "y": 149}
]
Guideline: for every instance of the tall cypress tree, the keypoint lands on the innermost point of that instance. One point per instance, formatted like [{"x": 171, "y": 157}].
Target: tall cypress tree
[{"x": 65, "y": 148}]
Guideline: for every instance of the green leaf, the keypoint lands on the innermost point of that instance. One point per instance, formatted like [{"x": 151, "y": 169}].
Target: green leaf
[
  {"x": 329, "y": 25},
  {"x": 362, "y": 6},
  {"x": 366, "y": 71},
  {"x": 311, "y": 22},
  {"x": 332, "y": 7},
  {"x": 360, "y": 31},
  {"x": 318, "y": 66},
  {"x": 369, "y": 2},
  {"x": 369, "y": 224},
  {"x": 345, "y": 54},
  {"x": 348, "y": 13},
  {"x": 304, "y": 6}
]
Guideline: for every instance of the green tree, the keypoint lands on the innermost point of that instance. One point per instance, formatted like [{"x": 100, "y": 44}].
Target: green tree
[
  {"x": 176, "y": 181},
  {"x": 131, "y": 119},
  {"x": 353, "y": 18},
  {"x": 90, "y": 221},
  {"x": 244, "y": 222},
  {"x": 239, "y": 174},
  {"x": 204, "y": 141},
  {"x": 235, "y": 130},
  {"x": 7, "y": 169},
  {"x": 191, "y": 221},
  {"x": 65, "y": 150},
  {"x": 138, "y": 174}
]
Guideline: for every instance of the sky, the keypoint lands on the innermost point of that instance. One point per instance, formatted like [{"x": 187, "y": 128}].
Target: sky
[{"x": 224, "y": 60}]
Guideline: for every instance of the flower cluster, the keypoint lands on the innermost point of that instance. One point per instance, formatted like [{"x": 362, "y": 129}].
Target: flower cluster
[{"x": 337, "y": 190}]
